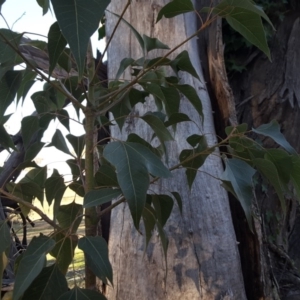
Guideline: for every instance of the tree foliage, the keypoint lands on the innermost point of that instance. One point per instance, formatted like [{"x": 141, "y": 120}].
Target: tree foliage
[{"x": 128, "y": 168}]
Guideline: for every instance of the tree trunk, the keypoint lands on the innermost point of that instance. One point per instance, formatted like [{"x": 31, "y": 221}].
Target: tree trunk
[
  {"x": 264, "y": 92},
  {"x": 203, "y": 260}
]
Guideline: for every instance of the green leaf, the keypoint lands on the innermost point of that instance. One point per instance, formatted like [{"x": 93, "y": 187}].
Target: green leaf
[
  {"x": 158, "y": 127},
  {"x": 63, "y": 250},
  {"x": 70, "y": 215},
  {"x": 245, "y": 17},
  {"x": 136, "y": 96},
  {"x": 269, "y": 171},
  {"x": 58, "y": 141},
  {"x": 176, "y": 118},
  {"x": 101, "y": 32},
  {"x": 196, "y": 156},
  {"x": 272, "y": 130},
  {"x": 175, "y": 8},
  {"x": 39, "y": 245},
  {"x": 133, "y": 163},
  {"x": 96, "y": 252},
  {"x": 56, "y": 45},
  {"x": 134, "y": 138},
  {"x": 121, "y": 110},
  {"x": 171, "y": 100},
  {"x": 229, "y": 7},
  {"x": 81, "y": 294},
  {"x": 124, "y": 64},
  {"x": 163, "y": 205},
  {"x": 77, "y": 143},
  {"x": 55, "y": 189},
  {"x": 7, "y": 54},
  {"x": 106, "y": 177},
  {"x": 178, "y": 200},
  {"x": 76, "y": 167},
  {"x": 5, "y": 236},
  {"x": 240, "y": 175},
  {"x": 182, "y": 62},
  {"x": 63, "y": 117},
  {"x": 49, "y": 284},
  {"x": 78, "y": 21},
  {"x": 33, "y": 151},
  {"x": 98, "y": 197},
  {"x": 283, "y": 162},
  {"x": 9, "y": 85},
  {"x": 27, "y": 82},
  {"x": 31, "y": 264},
  {"x": 190, "y": 93},
  {"x": 149, "y": 218},
  {"x": 29, "y": 126},
  {"x": 5, "y": 139},
  {"x": 44, "y": 4},
  {"x": 153, "y": 43},
  {"x": 42, "y": 102},
  {"x": 3, "y": 257},
  {"x": 29, "y": 268}
]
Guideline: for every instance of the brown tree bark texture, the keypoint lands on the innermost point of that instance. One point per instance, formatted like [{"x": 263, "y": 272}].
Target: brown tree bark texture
[
  {"x": 203, "y": 260},
  {"x": 271, "y": 91}
]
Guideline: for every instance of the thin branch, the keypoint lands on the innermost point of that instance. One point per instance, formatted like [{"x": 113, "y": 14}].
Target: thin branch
[{"x": 30, "y": 206}]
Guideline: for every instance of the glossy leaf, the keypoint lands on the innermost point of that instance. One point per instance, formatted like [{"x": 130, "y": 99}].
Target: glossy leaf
[
  {"x": 29, "y": 126},
  {"x": 137, "y": 96},
  {"x": 29, "y": 268},
  {"x": 177, "y": 118},
  {"x": 44, "y": 4},
  {"x": 134, "y": 138},
  {"x": 70, "y": 215},
  {"x": 149, "y": 218},
  {"x": 55, "y": 189},
  {"x": 182, "y": 62},
  {"x": 178, "y": 200},
  {"x": 121, "y": 110},
  {"x": 33, "y": 151},
  {"x": 133, "y": 163},
  {"x": 98, "y": 197},
  {"x": 124, "y": 64},
  {"x": 63, "y": 250},
  {"x": 56, "y": 45},
  {"x": 9, "y": 85},
  {"x": 193, "y": 159},
  {"x": 272, "y": 130},
  {"x": 49, "y": 284},
  {"x": 240, "y": 175},
  {"x": 58, "y": 141},
  {"x": 78, "y": 21},
  {"x": 39, "y": 245},
  {"x": 190, "y": 93},
  {"x": 158, "y": 127},
  {"x": 269, "y": 171},
  {"x": 5, "y": 139},
  {"x": 77, "y": 142},
  {"x": 63, "y": 117},
  {"x": 153, "y": 43},
  {"x": 171, "y": 100},
  {"x": 163, "y": 205},
  {"x": 175, "y": 8},
  {"x": 106, "y": 177},
  {"x": 7, "y": 54},
  {"x": 96, "y": 251},
  {"x": 81, "y": 294}
]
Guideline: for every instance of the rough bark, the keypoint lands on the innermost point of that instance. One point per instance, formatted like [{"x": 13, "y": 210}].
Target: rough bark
[
  {"x": 202, "y": 246},
  {"x": 267, "y": 91}
]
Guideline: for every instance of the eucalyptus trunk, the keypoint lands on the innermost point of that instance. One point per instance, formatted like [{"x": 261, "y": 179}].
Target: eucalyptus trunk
[{"x": 202, "y": 260}]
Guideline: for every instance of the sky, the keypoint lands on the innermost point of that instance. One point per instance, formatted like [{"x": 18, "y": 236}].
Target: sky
[{"x": 26, "y": 16}]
